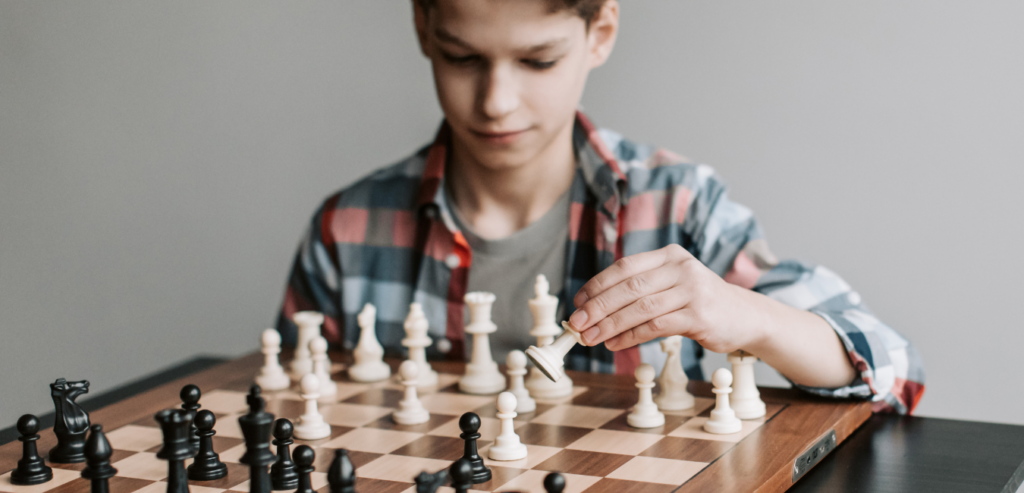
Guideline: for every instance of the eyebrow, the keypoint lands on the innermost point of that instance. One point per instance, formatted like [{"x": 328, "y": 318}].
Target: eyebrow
[{"x": 447, "y": 37}]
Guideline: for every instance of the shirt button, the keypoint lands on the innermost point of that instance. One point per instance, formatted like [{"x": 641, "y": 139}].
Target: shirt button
[
  {"x": 452, "y": 261},
  {"x": 444, "y": 345},
  {"x": 853, "y": 298}
]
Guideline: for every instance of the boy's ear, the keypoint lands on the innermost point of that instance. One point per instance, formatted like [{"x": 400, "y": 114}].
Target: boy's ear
[
  {"x": 419, "y": 17},
  {"x": 604, "y": 28}
]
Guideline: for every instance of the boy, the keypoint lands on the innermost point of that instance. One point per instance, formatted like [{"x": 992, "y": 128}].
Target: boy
[{"x": 517, "y": 183}]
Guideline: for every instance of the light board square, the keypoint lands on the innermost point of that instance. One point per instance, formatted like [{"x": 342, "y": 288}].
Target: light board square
[
  {"x": 453, "y": 404},
  {"x": 578, "y": 416},
  {"x": 400, "y": 468},
  {"x": 615, "y": 442},
  {"x": 655, "y": 470},
  {"x": 225, "y": 402},
  {"x": 353, "y": 415},
  {"x": 135, "y": 438},
  {"x": 533, "y": 482},
  {"x": 372, "y": 440},
  {"x": 60, "y": 476},
  {"x": 143, "y": 465},
  {"x": 694, "y": 428},
  {"x": 535, "y": 454}
]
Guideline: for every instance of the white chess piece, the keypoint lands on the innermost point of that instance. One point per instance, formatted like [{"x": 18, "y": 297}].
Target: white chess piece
[
  {"x": 311, "y": 425},
  {"x": 645, "y": 413},
  {"x": 309, "y": 327},
  {"x": 369, "y": 363},
  {"x": 507, "y": 446},
  {"x": 410, "y": 409},
  {"x": 417, "y": 341},
  {"x": 673, "y": 395},
  {"x": 272, "y": 375},
  {"x": 516, "y": 363},
  {"x": 544, "y": 307},
  {"x": 745, "y": 399},
  {"x": 551, "y": 358},
  {"x": 723, "y": 420},
  {"x": 321, "y": 367},
  {"x": 482, "y": 375}
]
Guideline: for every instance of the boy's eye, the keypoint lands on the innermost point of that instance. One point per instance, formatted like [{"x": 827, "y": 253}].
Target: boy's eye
[
  {"x": 539, "y": 64},
  {"x": 461, "y": 60}
]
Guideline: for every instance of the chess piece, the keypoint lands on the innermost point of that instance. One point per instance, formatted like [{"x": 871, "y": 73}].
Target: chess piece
[
  {"x": 417, "y": 341},
  {"x": 544, "y": 308},
  {"x": 207, "y": 465},
  {"x": 745, "y": 399},
  {"x": 272, "y": 375},
  {"x": 550, "y": 359},
  {"x": 410, "y": 409},
  {"x": 282, "y": 473},
  {"x": 723, "y": 420},
  {"x": 321, "y": 367},
  {"x": 469, "y": 423},
  {"x": 516, "y": 362},
  {"x": 311, "y": 425},
  {"x": 342, "y": 474},
  {"x": 174, "y": 423},
  {"x": 429, "y": 483},
  {"x": 482, "y": 375},
  {"x": 369, "y": 363},
  {"x": 673, "y": 395},
  {"x": 256, "y": 427},
  {"x": 97, "y": 459},
  {"x": 554, "y": 483},
  {"x": 461, "y": 473},
  {"x": 309, "y": 323},
  {"x": 507, "y": 446},
  {"x": 304, "y": 457},
  {"x": 190, "y": 395},
  {"x": 71, "y": 422},
  {"x": 32, "y": 469},
  {"x": 645, "y": 413}
]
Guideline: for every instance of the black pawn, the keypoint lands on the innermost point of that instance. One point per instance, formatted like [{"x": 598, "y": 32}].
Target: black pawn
[
  {"x": 469, "y": 423},
  {"x": 97, "y": 460},
  {"x": 342, "y": 474},
  {"x": 32, "y": 469},
  {"x": 554, "y": 483},
  {"x": 462, "y": 475},
  {"x": 282, "y": 473},
  {"x": 207, "y": 465},
  {"x": 304, "y": 457},
  {"x": 190, "y": 395}
]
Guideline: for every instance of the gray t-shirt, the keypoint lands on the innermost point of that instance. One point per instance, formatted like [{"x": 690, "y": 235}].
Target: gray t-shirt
[{"x": 509, "y": 267}]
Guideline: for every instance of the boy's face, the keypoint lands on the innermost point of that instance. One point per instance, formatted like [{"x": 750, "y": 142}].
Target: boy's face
[{"x": 510, "y": 73}]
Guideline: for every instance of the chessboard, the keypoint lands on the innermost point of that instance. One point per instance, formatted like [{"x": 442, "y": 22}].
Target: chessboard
[{"x": 584, "y": 436}]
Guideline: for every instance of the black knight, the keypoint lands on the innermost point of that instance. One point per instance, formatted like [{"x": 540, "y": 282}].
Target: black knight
[{"x": 71, "y": 421}]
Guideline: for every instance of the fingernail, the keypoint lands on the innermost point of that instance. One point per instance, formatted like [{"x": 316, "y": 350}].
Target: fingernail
[
  {"x": 578, "y": 319},
  {"x": 589, "y": 335}
]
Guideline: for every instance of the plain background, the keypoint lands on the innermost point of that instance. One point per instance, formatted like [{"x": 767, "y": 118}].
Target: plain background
[{"x": 158, "y": 161}]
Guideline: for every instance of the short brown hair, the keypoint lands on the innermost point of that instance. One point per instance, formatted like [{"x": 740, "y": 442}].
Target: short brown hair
[{"x": 586, "y": 9}]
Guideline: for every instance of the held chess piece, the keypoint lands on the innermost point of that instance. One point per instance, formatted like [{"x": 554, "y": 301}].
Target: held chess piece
[
  {"x": 550, "y": 358},
  {"x": 321, "y": 367},
  {"x": 207, "y": 465},
  {"x": 507, "y": 446},
  {"x": 745, "y": 399},
  {"x": 645, "y": 413},
  {"x": 342, "y": 474},
  {"x": 469, "y": 423},
  {"x": 282, "y": 473},
  {"x": 544, "y": 307},
  {"x": 272, "y": 375},
  {"x": 673, "y": 395},
  {"x": 304, "y": 457},
  {"x": 429, "y": 483},
  {"x": 190, "y": 396},
  {"x": 309, "y": 323},
  {"x": 311, "y": 425},
  {"x": 417, "y": 341},
  {"x": 369, "y": 363},
  {"x": 32, "y": 469},
  {"x": 554, "y": 483},
  {"x": 461, "y": 473},
  {"x": 174, "y": 424},
  {"x": 97, "y": 459},
  {"x": 256, "y": 427},
  {"x": 71, "y": 422},
  {"x": 723, "y": 420},
  {"x": 482, "y": 375},
  {"x": 410, "y": 409},
  {"x": 516, "y": 362}
]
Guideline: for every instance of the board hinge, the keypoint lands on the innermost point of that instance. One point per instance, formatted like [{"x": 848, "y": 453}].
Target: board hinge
[{"x": 814, "y": 454}]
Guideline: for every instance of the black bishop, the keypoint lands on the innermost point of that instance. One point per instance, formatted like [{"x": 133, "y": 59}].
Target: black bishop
[{"x": 97, "y": 459}]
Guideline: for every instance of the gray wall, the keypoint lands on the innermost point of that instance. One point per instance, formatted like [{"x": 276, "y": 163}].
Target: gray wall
[{"x": 158, "y": 161}]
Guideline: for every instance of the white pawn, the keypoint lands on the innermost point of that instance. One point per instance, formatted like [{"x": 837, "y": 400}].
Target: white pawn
[
  {"x": 369, "y": 354},
  {"x": 410, "y": 409},
  {"x": 321, "y": 367},
  {"x": 311, "y": 425},
  {"x": 272, "y": 375},
  {"x": 482, "y": 375},
  {"x": 673, "y": 395},
  {"x": 309, "y": 323},
  {"x": 507, "y": 446},
  {"x": 723, "y": 420},
  {"x": 516, "y": 362},
  {"x": 645, "y": 413},
  {"x": 417, "y": 341},
  {"x": 746, "y": 400}
]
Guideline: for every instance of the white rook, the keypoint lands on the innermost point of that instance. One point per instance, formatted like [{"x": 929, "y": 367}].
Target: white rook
[{"x": 482, "y": 375}]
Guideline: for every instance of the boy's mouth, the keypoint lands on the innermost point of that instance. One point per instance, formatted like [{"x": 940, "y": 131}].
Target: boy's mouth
[{"x": 499, "y": 137}]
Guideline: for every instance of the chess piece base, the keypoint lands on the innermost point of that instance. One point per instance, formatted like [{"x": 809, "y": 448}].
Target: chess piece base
[
  {"x": 411, "y": 416},
  {"x": 547, "y": 361},
  {"x": 645, "y": 418},
  {"x": 486, "y": 380},
  {"x": 541, "y": 387},
  {"x": 723, "y": 425},
  {"x": 676, "y": 403},
  {"x": 370, "y": 372},
  {"x": 751, "y": 409},
  {"x": 311, "y": 431},
  {"x": 279, "y": 381},
  {"x": 507, "y": 452}
]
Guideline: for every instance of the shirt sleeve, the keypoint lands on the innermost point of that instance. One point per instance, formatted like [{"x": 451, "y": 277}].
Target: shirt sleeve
[{"x": 726, "y": 238}]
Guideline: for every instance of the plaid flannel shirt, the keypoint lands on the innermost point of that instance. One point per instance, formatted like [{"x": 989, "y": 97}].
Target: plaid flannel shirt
[{"x": 389, "y": 239}]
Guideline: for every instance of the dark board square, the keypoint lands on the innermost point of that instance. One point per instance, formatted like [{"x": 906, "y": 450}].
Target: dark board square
[
  {"x": 117, "y": 484},
  {"x": 114, "y": 457},
  {"x": 550, "y": 435},
  {"x": 283, "y": 408},
  {"x": 499, "y": 476},
  {"x": 377, "y": 397},
  {"x": 583, "y": 462},
  {"x": 374, "y": 485},
  {"x": 237, "y": 474},
  {"x": 336, "y": 431},
  {"x": 435, "y": 447},
  {"x": 324, "y": 457},
  {"x": 608, "y": 485},
  {"x": 621, "y": 423},
  {"x": 491, "y": 411},
  {"x": 388, "y": 423},
  {"x": 606, "y": 398},
  {"x": 690, "y": 449}
]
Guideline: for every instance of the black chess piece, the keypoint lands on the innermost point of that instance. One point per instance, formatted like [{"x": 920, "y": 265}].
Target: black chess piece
[
  {"x": 429, "y": 483},
  {"x": 304, "y": 457},
  {"x": 469, "y": 423},
  {"x": 190, "y": 395},
  {"x": 97, "y": 459},
  {"x": 462, "y": 475},
  {"x": 175, "y": 426},
  {"x": 554, "y": 483},
  {"x": 71, "y": 421},
  {"x": 282, "y": 473},
  {"x": 256, "y": 427},
  {"x": 342, "y": 474},
  {"x": 207, "y": 465},
  {"x": 32, "y": 469}
]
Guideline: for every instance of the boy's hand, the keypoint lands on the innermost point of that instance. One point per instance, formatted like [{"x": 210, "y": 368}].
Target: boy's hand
[{"x": 662, "y": 293}]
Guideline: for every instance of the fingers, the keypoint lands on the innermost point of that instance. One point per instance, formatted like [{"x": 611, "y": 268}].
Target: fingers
[
  {"x": 634, "y": 314},
  {"x": 634, "y": 289},
  {"x": 622, "y": 269},
  {"x": 674, "y": 323}
]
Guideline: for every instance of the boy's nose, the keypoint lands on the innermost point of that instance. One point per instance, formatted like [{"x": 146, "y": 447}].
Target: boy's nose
[{"x": 500, "y": 94}]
